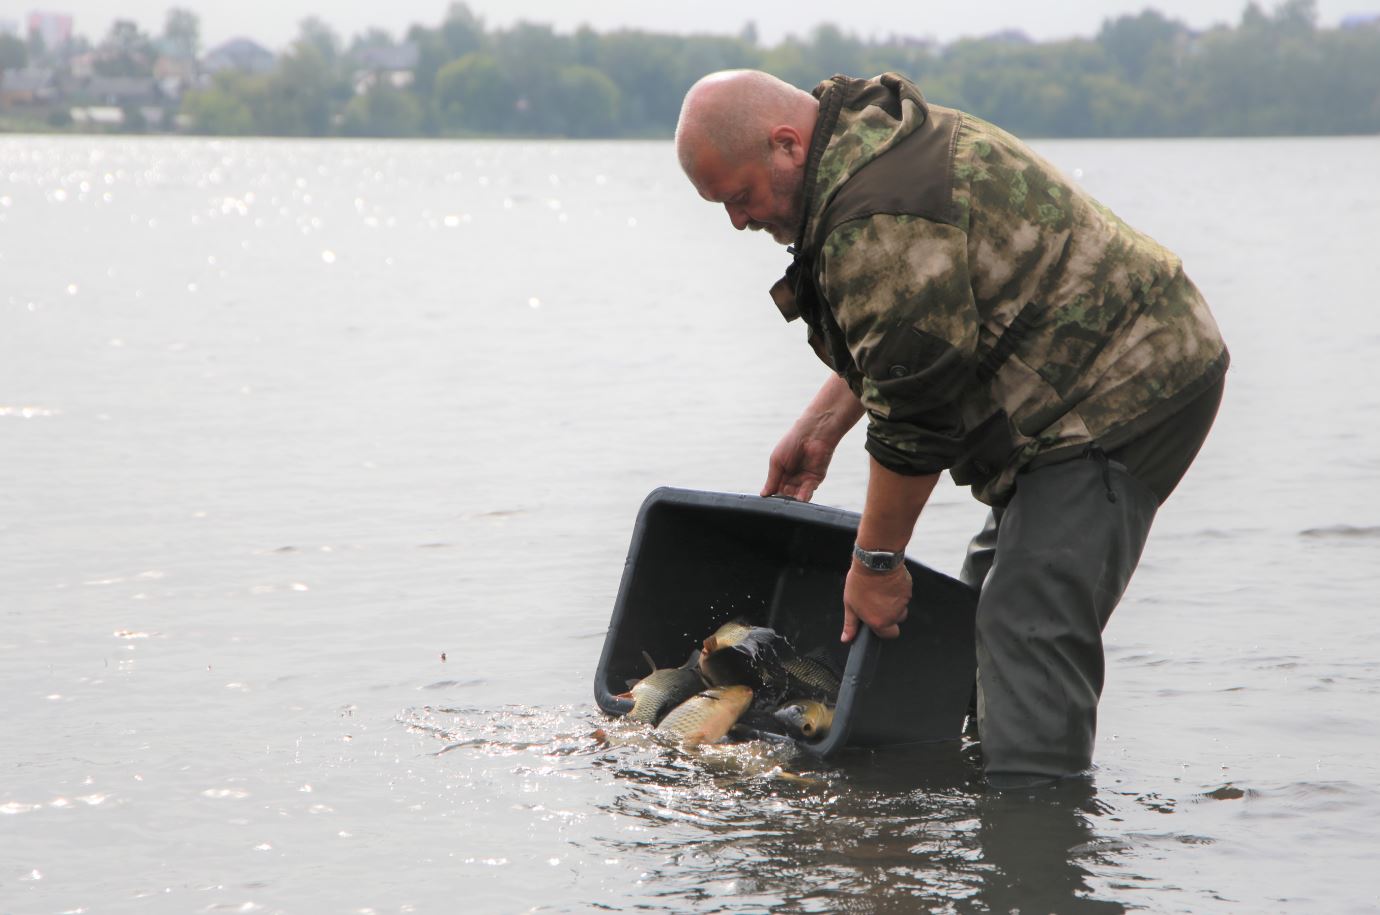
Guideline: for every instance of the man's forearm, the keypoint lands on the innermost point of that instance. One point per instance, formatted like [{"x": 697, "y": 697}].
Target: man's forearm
[
  {"x": 893, "y": 504},
  {"x": 833, "y": 410}
]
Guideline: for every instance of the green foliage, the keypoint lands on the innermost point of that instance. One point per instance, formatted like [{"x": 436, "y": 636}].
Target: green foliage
[
  {"x": 14, "y": 54},
  {"x": 382, "y": 111},
  {"x": 474, "y": 94},
  {"x": 126, "y": 51},
  {"x": 587, "y": 102},
  {"x": 305, "y": 89},
  {"x": 315, "y": 34},
  {"x": 224, "y": 107},
  {"x": 182, "y": 33},
  {"x": 133, "y": 119},
  {"x": 1275, "y": 72}
]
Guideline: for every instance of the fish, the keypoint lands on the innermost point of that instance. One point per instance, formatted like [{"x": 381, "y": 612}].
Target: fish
[
  {"x": 746, "y": 656},
  {"x": 809, "y": 719},
  {"x": 812, "y": 676},
  {"x": 662, "y": 690},
  {"x": 730, "y": 633},
  {"x": 706, "y": 717}
]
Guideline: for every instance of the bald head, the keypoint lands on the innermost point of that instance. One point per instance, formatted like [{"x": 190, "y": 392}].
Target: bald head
[{"x": 733, "y": 113}]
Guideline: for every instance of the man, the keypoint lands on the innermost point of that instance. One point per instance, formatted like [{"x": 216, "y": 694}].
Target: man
[{"x": 993, "y": 320}]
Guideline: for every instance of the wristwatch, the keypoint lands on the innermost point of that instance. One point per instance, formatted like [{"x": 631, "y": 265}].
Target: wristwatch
[{"x": 878, "y": 560}]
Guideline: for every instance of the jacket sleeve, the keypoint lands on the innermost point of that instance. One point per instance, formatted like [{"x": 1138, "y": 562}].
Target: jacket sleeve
[{"x": 899, "y": 289}]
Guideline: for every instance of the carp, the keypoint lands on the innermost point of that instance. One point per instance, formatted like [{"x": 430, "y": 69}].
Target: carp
[
  {"x": 662, "y": 690},
  {"x": 812, "y": 676},
  {"x": 730, "y": 633},
  {"x": 706, "y": 717},
  {"x": 739, "y": 654},
  {"x": 809, "y": 719}
]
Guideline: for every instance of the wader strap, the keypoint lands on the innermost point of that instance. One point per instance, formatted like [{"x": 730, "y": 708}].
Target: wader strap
[{"x": 1095, "y": 452}]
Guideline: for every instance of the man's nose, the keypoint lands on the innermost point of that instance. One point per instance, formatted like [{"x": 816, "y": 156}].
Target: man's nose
[{"x": 737, "y": 216}]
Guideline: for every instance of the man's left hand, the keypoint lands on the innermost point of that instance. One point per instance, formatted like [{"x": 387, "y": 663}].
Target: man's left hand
[{"x": 878, "y": 599}]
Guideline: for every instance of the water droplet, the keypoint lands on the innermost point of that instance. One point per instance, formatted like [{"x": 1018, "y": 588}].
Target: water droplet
[
  {"x": 534, "y": 302},
  {"x": 72, "y": 288},
  {"x": 328, "y": 256}
]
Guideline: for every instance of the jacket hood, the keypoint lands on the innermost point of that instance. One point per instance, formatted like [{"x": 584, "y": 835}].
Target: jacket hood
[{"x": 859, "y": 119}]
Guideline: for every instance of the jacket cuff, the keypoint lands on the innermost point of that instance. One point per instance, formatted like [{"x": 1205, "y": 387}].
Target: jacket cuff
[{"x": 911, "y": 450}]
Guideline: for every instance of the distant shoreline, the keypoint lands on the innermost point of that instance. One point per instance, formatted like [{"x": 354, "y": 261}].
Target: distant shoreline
[{"x": 1143, "y": 76}]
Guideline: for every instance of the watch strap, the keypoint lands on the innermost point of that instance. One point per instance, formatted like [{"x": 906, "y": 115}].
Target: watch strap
[{"x": 878, "y": 560}]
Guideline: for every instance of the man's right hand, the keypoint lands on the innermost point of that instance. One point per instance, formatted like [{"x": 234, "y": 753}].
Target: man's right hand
[
  {"x": 800, "y": 460},
  {"x": 798, "y": 464}
]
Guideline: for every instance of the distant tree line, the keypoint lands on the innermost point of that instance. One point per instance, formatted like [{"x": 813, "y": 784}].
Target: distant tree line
[{"x": 1146, "y": 75}]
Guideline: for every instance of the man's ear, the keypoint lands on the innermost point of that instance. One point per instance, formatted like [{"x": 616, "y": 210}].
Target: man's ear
[{"x": 788, "y": 140}]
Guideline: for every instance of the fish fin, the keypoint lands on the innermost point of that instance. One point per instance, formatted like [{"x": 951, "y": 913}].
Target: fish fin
[
  {"x": 650, "y": 663},
  {"x": 711, "y": 645},
  {"x": 693, "y": 661},
  {"x": 626, "y": 695}
]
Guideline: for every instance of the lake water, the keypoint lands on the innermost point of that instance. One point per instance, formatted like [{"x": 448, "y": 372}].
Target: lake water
[{"x": 322, "y": 460}]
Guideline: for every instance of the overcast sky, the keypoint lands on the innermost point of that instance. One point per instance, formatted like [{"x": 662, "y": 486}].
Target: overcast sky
[{"x": 274, "y": 22}]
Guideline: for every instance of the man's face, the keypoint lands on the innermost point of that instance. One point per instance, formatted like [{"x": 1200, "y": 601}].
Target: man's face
[{"x": 766, "y": 194}]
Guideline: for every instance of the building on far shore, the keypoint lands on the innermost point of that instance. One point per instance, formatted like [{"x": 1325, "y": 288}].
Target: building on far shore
[
  {"x": 27, "y": 87},
  {"x": 394, "y": 66},
  {"x": 54, "y": 28}
]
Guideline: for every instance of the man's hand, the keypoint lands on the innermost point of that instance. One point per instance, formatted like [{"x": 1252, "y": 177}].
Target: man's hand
[
  {"x": 878, "y": 599},
  {"x": 798, "y": 464},
  {"x": 801, "y": 458}
]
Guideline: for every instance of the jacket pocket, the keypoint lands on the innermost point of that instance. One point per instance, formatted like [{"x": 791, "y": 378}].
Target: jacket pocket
[{"x": 986, "y": 451}]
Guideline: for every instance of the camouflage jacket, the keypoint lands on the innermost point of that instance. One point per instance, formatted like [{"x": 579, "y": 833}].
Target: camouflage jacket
[{"x": 990, "y": 315}]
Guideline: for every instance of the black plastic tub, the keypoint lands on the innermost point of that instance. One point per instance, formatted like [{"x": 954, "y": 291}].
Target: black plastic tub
[{"x": 699, "y": 559}]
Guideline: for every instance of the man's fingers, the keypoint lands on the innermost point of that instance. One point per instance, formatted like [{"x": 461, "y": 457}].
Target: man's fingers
[
  {"x": 850, "y": 626},
  {"x": 888, "y": 632},
  {"x": 773, "y": 483}
]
